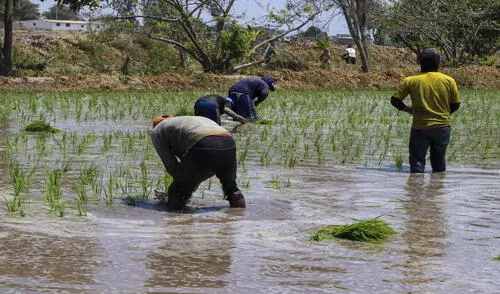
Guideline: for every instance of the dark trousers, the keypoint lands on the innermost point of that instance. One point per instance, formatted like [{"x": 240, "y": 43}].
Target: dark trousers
[
  {"x": 208, "y": 110},
  {"x": 421, "y": 140},
  {"x": 212, "y": 155},
  {"x": 350, "y": 60},
  {"x": 243, "y": 105}
]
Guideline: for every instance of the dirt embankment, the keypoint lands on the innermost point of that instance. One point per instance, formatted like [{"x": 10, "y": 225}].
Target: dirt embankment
[
  {"x": 475, "y": 77},
  {"x": 76, "y": 64}
]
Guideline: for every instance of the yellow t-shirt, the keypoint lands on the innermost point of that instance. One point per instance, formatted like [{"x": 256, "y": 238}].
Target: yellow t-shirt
[{"x": 431, "y": 94}]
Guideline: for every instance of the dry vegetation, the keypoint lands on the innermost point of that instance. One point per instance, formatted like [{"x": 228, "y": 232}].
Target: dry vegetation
[{"x": 73, "y": 61}]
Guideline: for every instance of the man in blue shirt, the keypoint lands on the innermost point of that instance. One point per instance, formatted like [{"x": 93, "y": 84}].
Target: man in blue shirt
[
  {"x": 213, "y": 106},
  {"x": 248, "y": 93}
]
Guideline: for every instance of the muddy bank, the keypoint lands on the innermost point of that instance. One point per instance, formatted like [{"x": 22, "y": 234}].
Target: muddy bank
[{"x": 474, "y": 77}]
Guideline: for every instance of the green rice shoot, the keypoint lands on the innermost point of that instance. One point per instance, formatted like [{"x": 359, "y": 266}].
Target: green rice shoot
[
  {"x": 497, "y": 258},
  {"x": 371, "y": 231},
  {"x": 41, "y": 127}
]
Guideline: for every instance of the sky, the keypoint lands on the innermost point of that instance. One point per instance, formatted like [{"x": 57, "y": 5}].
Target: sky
[{"x": 256, "y": 9}]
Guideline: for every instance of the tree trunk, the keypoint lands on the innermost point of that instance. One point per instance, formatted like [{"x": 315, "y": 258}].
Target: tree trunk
[
  {"x": 355, "y": 17},
  {"x": 6, "y": 62},
  {"x": 363, "y": 54},
  {"x": 182, "y": 58}
]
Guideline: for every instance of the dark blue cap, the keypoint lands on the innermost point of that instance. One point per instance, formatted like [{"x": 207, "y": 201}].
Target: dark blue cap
[{"x": 269, "y": 81}]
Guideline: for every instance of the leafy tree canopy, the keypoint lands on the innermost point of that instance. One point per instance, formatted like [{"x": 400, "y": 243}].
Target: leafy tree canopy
[
  {"x": 21, "y": 10},
  {"x": 62, "y": 13}
]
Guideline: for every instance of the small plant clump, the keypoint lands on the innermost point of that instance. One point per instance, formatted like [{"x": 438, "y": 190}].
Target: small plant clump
[
  {"x": 41, "y": 127},
  {"x": 265, "y": 122},
  {"x": 372, "y": 231}
]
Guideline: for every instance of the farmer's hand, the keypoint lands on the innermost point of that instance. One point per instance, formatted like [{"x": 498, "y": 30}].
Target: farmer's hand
[{"x": 243, "y": 120}]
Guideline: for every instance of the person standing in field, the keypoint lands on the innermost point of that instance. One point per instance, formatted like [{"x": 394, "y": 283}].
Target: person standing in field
[
  {"x": 213, "y": 106},
  {"x": 193, "y": 149},
  {"x": 249, "y": 93},
  {"x": 434, "y": 97},
  {"x": 350, "y": 55}
]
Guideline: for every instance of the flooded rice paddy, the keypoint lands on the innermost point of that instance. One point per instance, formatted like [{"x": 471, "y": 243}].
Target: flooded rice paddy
[{"x": 78, "y": 213}]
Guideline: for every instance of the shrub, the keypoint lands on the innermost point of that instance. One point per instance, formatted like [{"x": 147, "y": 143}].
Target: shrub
[{"x": 161, "y": 58}]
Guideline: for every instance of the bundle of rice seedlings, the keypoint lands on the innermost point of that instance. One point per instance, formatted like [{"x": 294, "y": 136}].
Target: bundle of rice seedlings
[
  {"x": 372, "y": 231},
  {"x": 40, "y": 126},
  {"x": 265, "y": 122}
]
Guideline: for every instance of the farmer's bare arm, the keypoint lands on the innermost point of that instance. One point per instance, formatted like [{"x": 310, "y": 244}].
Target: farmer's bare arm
[
  {"x": 400, "y": 105},
  {"x": 454, "y": 107},
  {"x": 235, "y": 116}
]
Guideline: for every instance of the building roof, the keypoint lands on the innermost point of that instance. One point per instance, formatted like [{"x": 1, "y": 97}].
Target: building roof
[{"x": 65, "y": 21}]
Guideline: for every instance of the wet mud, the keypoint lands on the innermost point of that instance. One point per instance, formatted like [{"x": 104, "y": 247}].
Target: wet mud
[{"x": 448, "y": 234}]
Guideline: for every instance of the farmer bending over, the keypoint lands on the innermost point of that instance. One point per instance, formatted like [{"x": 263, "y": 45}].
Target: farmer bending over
[
  {"x": 213, "y": 106},
  {"x": 193, "y": 149},
  {"x": 434, "y": 97},
  {"x": 249, "y": 93}
]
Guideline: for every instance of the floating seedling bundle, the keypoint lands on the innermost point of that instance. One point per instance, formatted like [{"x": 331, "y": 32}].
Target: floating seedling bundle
[
  {"x": 372, "y": 231},
  {"x": 40, "y": 126}
]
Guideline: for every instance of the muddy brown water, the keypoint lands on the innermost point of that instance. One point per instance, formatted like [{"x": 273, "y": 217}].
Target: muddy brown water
[{"x": 448, "y": 236}]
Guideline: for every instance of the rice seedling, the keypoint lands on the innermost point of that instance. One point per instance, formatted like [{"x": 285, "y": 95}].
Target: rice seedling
[
  {"x": 244, "y": 182},
  {"x": 54, "y": 191},
  {"x": 398, "y": 162},
  {"x": 278, "y": 182},
  {"x": 20, "y": 184},
  {"x": 184, "y": 110},
  {"x": 264, "y": 122},
  {"x": 145, "y": 183},
  {"x": 4, "y": 115},
  {"x": 40, "y": 126},
  {"x": 322, "y": 127},
  {"x": 109, "y": 188},
  {"x": 90, "y": 174},
  {"x": 266, "y": 157},
  {"x": 291, "y": 160},
  {"x": 496, "y": 258},
  {"x": 244, "y": 154},
  {"x": 371, "y": 230}
]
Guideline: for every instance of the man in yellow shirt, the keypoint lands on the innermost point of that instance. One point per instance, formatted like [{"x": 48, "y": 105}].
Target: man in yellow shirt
[{"x": 434, "y": 97}]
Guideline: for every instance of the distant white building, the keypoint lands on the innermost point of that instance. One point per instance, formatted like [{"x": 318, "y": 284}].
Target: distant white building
[{"x": 60, "y": 25}]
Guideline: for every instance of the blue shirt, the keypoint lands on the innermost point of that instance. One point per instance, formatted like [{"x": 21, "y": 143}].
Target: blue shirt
[{"x": 254, "y": 87}]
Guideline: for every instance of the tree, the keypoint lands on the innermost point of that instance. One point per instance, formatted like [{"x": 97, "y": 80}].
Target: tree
[
  {"x": 208, "y": 31},
  {"x": 312, "y": 33},
  {"x": 356, "y": 16},
  {"x": 464, "y": 30},
  {"x": 22, "y": 10},
  {"x": 325, "y": 46},
  {"x": 61, "y": 12},
  {"x": 6, "y": 55}
]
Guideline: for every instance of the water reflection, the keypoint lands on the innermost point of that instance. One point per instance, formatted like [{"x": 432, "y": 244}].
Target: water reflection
[
  {"x": 196, "y": 254},
  {"x": 46, "y": 258},
  {"x": 425, "y": 228}
]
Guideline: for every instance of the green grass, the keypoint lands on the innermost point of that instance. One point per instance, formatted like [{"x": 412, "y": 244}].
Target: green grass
[{"x": 372, "y": 231}]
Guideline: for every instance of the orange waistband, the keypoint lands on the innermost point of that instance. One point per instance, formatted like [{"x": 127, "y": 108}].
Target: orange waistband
[{"x": 222, "y": 135}]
